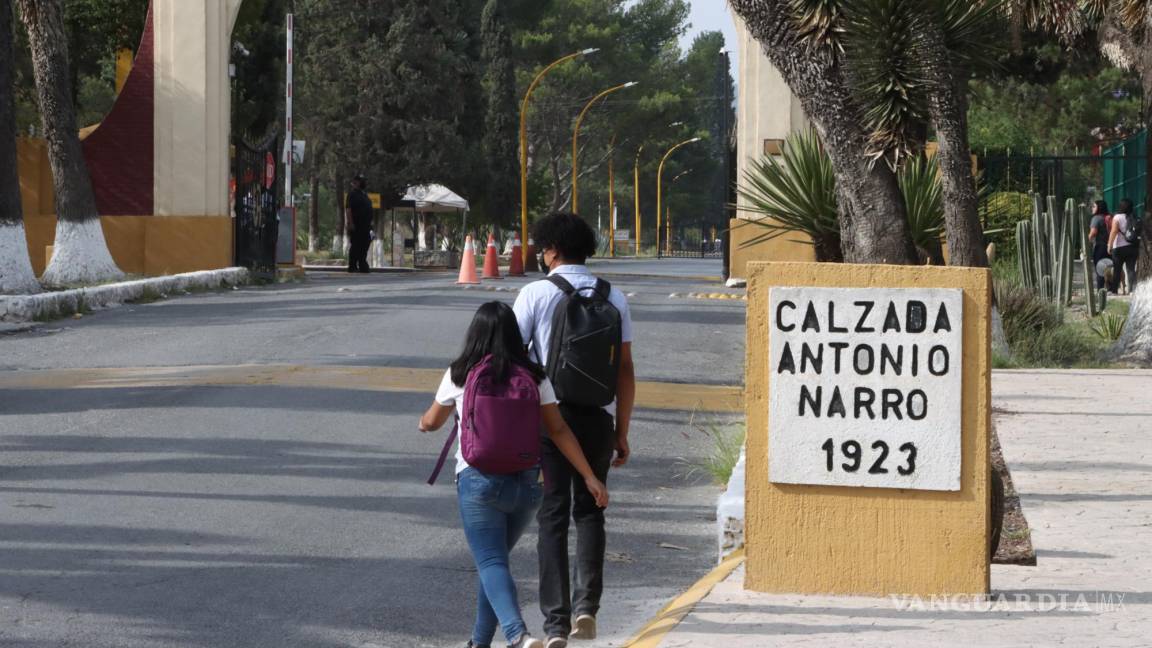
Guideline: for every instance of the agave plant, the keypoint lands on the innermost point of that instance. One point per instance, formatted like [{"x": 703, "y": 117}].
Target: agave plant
[
  {"x": 1109, "y": 326},
  {"x": 795, "y": 193},
  {"x": 924, "y": 197}
]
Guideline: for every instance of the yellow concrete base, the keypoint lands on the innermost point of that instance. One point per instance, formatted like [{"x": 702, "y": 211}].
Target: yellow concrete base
[
  {"x": 878, "y": 541},
  {"x": 148, "y": 245},
  {"x": 790, "y": 247}
]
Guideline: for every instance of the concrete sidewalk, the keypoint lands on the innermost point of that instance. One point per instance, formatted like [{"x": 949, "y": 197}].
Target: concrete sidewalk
[{"x": 1079, "y": 444}]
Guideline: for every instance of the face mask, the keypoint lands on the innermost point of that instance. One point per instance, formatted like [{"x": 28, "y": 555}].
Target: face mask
[{"x": 543, "y": 266}]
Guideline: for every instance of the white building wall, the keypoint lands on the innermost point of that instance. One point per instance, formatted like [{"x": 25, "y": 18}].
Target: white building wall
[
  {"x": 766, "y": 109},
  {"x": 193, "y": 106}
]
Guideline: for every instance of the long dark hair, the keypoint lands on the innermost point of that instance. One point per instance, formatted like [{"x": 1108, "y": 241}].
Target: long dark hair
[
  {"x": 1102, "y": 208},
  {"x": 494, "y": 332},
  {"x": 1125, "y": 207}
]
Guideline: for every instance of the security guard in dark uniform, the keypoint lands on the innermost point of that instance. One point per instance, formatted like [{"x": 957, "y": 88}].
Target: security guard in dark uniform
[{"x": 358, "y": 217}]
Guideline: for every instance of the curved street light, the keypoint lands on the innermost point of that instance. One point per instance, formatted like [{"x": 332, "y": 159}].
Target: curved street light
[
  {"x": 576, "y": 139},
  {"x": 668, "y": 215},
  {"x": 636, "y": 190},
  {"x": 659, "y": 178},
  {"x": 524, "y": 144}
]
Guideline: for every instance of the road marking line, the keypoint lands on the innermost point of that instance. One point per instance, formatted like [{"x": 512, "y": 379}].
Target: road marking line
[
  {"x": 649, "y": 395},
  {"x": 672, "y": 614}
]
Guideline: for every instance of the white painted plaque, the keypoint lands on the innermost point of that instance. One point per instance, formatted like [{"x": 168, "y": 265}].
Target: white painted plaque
[{"x": 865, "y": 387}]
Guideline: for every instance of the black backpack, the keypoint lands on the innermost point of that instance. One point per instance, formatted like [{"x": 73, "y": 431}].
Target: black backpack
[
  {"x": 584, "y": 350},
  {"x": 1133, "y": 228}
]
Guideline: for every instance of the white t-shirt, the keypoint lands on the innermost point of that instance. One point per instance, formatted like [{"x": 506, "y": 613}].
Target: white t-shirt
[
  {"x": 537, "y": 301},
  {"x": 1122, "y": 221},
  {"x": 449, "y": 394}
]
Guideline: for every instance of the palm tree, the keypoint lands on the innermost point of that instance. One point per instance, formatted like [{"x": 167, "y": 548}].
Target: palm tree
[
  {"x": 802, "y": 39},
  {"x": 16, "y": 274},
  {"x": 903, "y": 66},
  {"x": 908, "y": 64},
  {"x": 81, "y": 254}
]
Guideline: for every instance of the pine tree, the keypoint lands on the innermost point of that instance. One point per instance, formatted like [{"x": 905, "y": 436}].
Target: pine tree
[{"x": 500, "y": 121}]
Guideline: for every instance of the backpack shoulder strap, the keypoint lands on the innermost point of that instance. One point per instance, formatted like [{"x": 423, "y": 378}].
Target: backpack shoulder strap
[
  {"x": 561, "y": 283},
  {"x": 603, "y": 288},
  {"x": 444, "y": 453}
]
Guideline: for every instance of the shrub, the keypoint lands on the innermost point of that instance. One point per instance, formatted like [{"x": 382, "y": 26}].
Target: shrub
[
  {"x": 1063, "y": 346},
  {"x": 1023, "y": 312},
  {"x": 1000, "y": 211}
]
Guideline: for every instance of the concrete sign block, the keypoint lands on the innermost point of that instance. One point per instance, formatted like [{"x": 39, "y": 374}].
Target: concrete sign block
[{"x": 868, "y": 400}]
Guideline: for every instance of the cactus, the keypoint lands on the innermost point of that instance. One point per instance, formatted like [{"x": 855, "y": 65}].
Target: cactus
[
  {"x": 1090, "y": 296},
  {"x": 1046, "y": 244},
  {"x": 1026, "y": 255},
  {"x": 1102, "y": 299}
]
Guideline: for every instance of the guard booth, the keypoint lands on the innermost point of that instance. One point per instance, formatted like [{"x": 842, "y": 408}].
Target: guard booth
[{"x": 437, "y": 218}]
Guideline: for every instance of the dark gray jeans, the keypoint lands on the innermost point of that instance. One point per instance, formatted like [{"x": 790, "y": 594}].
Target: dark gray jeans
[{"x": 566, "y": 497}]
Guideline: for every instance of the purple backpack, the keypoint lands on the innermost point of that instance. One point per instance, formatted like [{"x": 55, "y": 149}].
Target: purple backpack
[{"x": 500, "y": 428}]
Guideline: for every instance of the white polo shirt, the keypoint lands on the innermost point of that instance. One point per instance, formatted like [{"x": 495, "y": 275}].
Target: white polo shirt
[{"x": 537, "y": 301}]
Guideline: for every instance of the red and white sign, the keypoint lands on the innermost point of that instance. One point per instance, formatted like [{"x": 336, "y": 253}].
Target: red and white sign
[{"x": 269, "y": 170}]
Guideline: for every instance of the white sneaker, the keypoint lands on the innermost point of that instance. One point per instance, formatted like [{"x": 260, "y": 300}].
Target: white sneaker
[
  {"x": 527, "y": 641},
  {"x": 584, "y": 627},
  {"x": 556, "y": 642}
]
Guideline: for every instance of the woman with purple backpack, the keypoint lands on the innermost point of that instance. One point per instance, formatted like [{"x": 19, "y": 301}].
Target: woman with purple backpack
[{"x": 500, "y": 398}]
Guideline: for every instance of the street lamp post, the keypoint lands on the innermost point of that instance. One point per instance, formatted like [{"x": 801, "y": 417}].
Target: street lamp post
[
  {"x": 611, "y": 197},
  {"x": 668, "y": 215},
  {"x": 659, "y": 178},
  {"x": 636, "y": 189},
  {"x": 576, "y": 141},
  {"x": 636, "y": 199},
  {"x": 524, "y": 144}
]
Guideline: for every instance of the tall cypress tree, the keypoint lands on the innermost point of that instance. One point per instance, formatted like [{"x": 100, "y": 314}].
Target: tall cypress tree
[{"x": 500, "y": 120}]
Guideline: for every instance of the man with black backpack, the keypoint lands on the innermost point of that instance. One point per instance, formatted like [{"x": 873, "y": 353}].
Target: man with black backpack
[{"x": 579, "y": 327}]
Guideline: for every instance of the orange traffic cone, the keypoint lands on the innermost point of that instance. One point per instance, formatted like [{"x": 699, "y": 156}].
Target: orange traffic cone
[
  {"x": 516, "y": 264},
  {"x": 492, "y": 259},
  {"x": 533, "y": 265},
  {"x": 468, "y": 264}
]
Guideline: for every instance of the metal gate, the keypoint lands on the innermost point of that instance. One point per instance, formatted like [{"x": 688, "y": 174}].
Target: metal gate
[
  {"x": 694, "y": 243},
  {"x": 255, "y": 182}
]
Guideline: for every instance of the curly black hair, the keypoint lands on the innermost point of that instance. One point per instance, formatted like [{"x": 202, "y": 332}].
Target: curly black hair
[{"x": 567, "y": 234}]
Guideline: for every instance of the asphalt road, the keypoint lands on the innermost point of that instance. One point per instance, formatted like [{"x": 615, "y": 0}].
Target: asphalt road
[{"x": 271, "y": 515}]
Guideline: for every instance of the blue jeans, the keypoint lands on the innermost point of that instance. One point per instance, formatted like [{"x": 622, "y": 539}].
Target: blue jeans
[{"x": 495, "y": 510}]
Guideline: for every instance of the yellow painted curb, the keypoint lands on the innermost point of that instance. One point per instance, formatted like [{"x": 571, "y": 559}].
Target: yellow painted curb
[{"x": 672, "y": 614}]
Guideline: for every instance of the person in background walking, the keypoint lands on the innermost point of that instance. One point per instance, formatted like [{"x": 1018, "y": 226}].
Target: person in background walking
[
  {"x": 497, "y": 392},
  {"x": 1100, "y": 230},
  {"x": 358, "y": 220},
  {"x": 580, "y": 329},
  {"x": 1125, "y": 225}
]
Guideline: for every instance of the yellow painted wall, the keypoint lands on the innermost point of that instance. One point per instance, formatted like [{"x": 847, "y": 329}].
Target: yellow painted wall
[
  {"x": 146, "y": 245},
  {"x": 878, "y": 541},
  {"x": 790, "y": 247}
]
